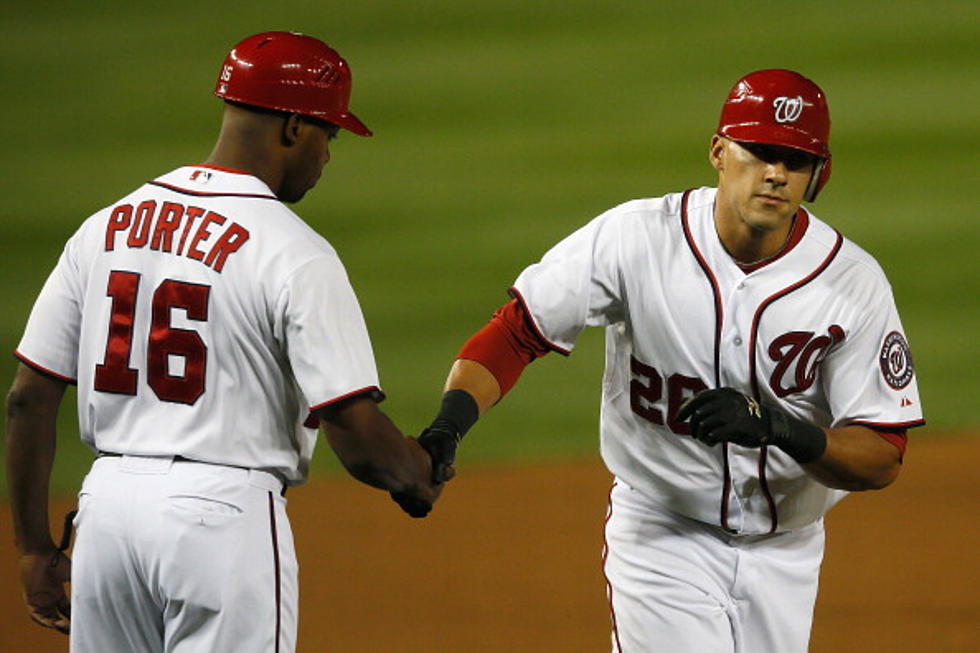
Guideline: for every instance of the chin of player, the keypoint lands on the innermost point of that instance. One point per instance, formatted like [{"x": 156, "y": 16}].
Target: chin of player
[
  {"x": 293, "y": 195},
  {"x": 764, "y": 214}
]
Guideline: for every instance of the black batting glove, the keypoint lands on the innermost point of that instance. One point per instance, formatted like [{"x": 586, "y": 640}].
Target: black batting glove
[
  {"x": 727, "y": 415},
  {"x": 441, "y": 442},
  {"x": 458, "y": 412}
]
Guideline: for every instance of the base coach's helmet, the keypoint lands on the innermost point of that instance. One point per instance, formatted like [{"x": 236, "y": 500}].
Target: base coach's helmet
[
  {"x": 781, "y": 107},
  {"x": 290, "y": 72}
]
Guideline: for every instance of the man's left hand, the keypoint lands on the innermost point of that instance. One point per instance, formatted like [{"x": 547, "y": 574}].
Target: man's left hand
[{"x": 727, "y": 415}]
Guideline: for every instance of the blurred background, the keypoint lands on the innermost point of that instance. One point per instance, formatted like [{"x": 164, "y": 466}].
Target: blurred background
[{"x": 501, "y": 126}]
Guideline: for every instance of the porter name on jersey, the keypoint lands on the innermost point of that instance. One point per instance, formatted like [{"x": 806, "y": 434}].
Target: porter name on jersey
[{"x": 170, "y": 227}]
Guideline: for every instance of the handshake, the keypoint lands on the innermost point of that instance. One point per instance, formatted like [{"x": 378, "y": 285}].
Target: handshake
[
  {"x": 440, "y": 440},
  {"x": 440, "y": 443}
]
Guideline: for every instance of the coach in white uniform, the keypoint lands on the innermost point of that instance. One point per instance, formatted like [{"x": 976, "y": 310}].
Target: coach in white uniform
[
  {"x": 756, "y": 371},
  {"x": 210, "y": 332}
]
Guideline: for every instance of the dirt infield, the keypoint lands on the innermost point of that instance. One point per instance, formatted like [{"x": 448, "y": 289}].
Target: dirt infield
[{"x": 510, "y": 562}]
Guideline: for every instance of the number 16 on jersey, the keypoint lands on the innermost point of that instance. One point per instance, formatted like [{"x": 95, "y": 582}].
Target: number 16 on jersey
[{"x": 163, "y": 340}]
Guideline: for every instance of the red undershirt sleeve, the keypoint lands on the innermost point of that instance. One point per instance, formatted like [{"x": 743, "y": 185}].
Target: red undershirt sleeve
[
  {"x": 506, "y": 345},
  {"x": 898, "y": 438}
]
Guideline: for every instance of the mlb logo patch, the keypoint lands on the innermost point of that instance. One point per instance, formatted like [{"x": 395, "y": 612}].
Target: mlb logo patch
[{"x": 201, "y": 176}]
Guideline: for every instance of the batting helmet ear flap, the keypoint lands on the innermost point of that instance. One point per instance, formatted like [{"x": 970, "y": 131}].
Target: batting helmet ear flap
[{"x": 819, "y": 179}]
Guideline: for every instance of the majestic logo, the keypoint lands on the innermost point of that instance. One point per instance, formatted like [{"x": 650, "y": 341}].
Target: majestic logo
[
  {"x": 788, "y": 109},
  {"x": 806, "y": 352},
  {"x": 895, "y": 361}
]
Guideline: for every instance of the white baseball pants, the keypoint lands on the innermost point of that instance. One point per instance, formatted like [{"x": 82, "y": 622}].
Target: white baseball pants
[
  {"x": 679, "y": 585},
  {"x": 182, "y": 557}
]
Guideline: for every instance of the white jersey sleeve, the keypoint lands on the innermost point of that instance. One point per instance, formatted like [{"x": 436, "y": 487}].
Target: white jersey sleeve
[
  {"x": 870, "y": 379},
  {"x": 576, "y": 284},
  {"x": 324, "y": 330},
  {"x": 50, "y": 340}
]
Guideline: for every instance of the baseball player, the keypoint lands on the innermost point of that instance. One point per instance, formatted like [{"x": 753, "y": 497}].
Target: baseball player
[
  {"x": 210, "y": 332},
  {"x": 756, "y": 371}
]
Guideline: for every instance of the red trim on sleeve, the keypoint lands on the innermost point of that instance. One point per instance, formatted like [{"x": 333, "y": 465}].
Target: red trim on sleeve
[
  {"x": 887, "y": 426},
  {"x": 506, "y": 345},
  {"x": 43, "y": 370},
  {"x": 516, "y": 294},
  {"x": 373, "y": 390},
  {"x": 898, "y": 438}
]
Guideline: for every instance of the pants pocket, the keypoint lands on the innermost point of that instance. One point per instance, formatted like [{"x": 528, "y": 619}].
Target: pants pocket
[{"x": 203, "y": 510}]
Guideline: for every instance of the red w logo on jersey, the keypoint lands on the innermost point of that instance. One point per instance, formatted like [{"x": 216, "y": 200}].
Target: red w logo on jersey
[{"x": 806, "y": 352}]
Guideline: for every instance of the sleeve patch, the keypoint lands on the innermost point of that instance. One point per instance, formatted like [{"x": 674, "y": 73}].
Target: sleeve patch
[{"x": 895, "y": 361}]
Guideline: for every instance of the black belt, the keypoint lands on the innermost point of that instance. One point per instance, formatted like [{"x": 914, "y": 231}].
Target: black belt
[{"x": 181, "y": 459}]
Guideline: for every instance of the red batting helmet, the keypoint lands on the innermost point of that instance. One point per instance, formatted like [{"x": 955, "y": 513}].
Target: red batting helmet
[
  {"x": 291, "y": 72},
  {"x": 781, "y": 107}
]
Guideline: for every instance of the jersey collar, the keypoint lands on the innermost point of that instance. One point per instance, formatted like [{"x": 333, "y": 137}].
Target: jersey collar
[
  {"x": 800, "y": 223},
  {"x": 212, "y": 181}
]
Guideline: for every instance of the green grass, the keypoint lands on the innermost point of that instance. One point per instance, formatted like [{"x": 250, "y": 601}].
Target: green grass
[{"x": 501, "y": 126}]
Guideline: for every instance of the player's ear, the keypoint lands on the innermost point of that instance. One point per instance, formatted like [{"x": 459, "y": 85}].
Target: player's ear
[
  {"x": 716, "y": 152},
  {"x": 291, "y": 129}
]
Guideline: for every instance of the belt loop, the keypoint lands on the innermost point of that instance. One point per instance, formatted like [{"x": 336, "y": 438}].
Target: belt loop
[{"x": 267, "y": 480}]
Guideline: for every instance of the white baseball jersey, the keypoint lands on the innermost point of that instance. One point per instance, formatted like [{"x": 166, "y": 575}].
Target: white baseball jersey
[
  {"x": 202, "y": 318},
  {"x": 815, "y": 331}
]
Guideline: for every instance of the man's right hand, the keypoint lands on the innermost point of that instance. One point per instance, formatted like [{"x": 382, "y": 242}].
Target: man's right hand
[{"x": 418, "y": 501}]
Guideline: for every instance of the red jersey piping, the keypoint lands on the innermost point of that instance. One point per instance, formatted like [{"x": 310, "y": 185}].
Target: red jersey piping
[
  {"x": 219, "y": 168},
  {"x": 43, "y": 370},
  {"x": 277, "y": 569},
  {"x": 197, "y": 193},
  {"x": 800, "y": 225},
  {"x": 716, "y": 292},
  {"x": 516, "y": 294},
  {"x": 372, "y": 389},
  {"x": 753, "y": 378},
  {"x": 911, "y": 424},
  {"x": 605, "y": 558},
  {"x": 719, "y": 315}
]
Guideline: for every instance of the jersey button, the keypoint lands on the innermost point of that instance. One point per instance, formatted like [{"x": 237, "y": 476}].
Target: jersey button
[{"x": 737, "y": 341}]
